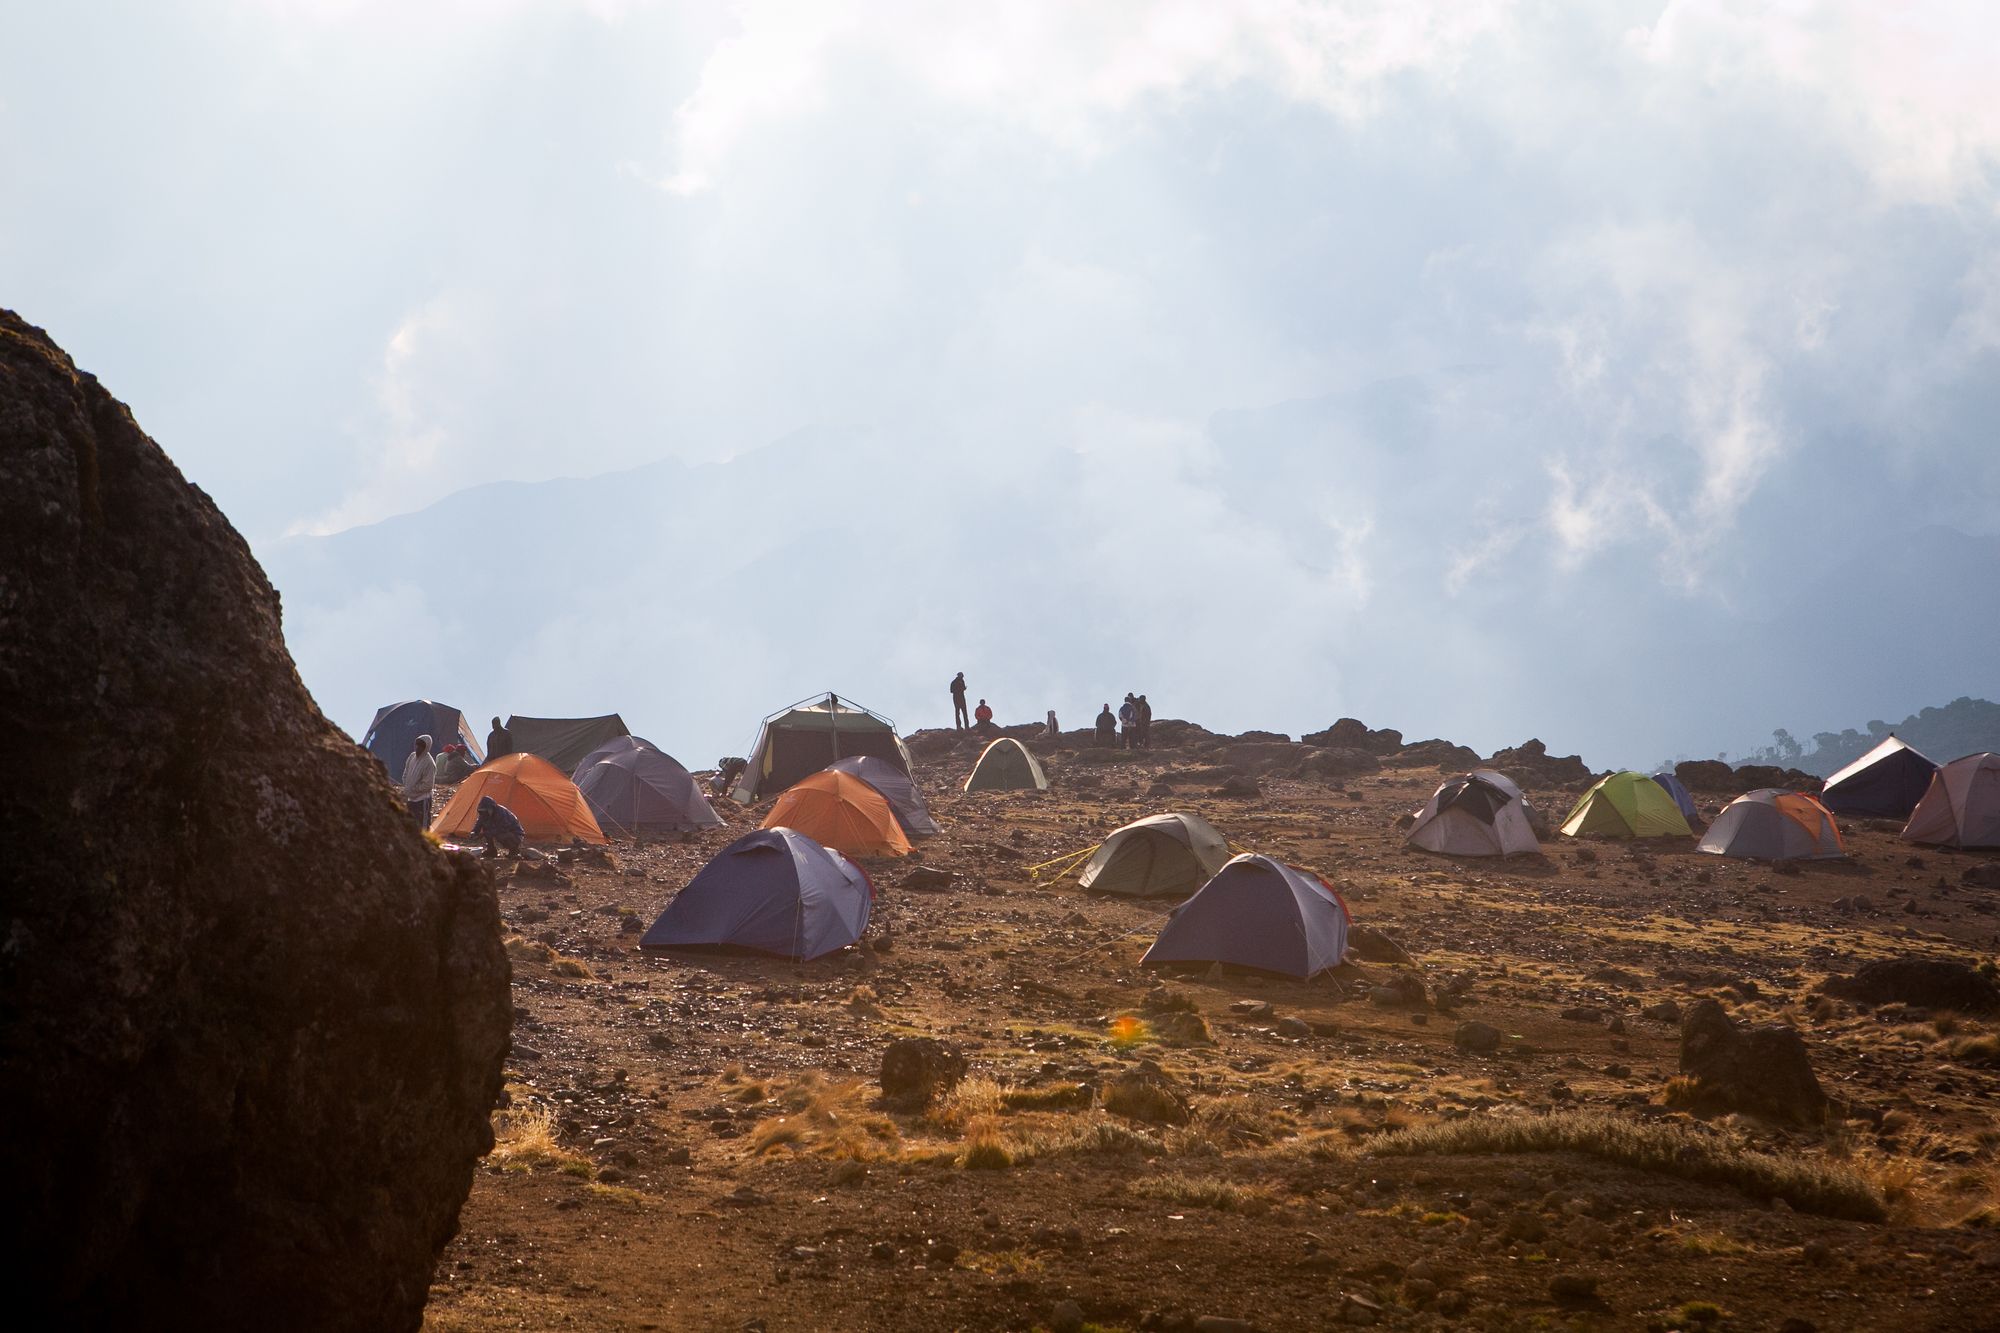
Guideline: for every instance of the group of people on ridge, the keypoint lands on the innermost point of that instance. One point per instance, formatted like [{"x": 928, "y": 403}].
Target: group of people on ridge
[
  {"x": 980, "y": 719},
  {"x": 1132, "y": 724}
]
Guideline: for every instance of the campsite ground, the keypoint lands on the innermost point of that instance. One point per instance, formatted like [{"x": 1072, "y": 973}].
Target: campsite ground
[{"x": 698, "y": 1142}]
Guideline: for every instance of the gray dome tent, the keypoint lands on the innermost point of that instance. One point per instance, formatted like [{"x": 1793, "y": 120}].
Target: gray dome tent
[
  {"x": 1261, "y": 914},
  {"x": 774, "y": 891},
  {"x": 1886, "y": 783},
  {"x": 1007, "y": 765},
  {"x": 632, "y": 786},
  {"x": 1160, "y": 855}
]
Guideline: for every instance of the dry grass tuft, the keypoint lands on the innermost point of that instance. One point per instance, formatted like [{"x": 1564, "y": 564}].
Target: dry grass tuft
[
  {"x": 973, "y": 1097},
  {"x": 1980, "y": 1050},
  {"x": 984, "y": 1148},
  {"x": 524, "y": 1137},
  {"x": 1182, "y": 1028},
  {"x": 826, "y": 1117},
  {"x": 572, "y": 967},
  {"x": 524, "y": 950},
  {"x": 1057, "y": 1097},
  {"x": 1204, "y": 1192},
  {"x": 618, "y": 1196},
  {"x": 1808, "y": 1184},
  {"x": 1139, "y": 1099}
]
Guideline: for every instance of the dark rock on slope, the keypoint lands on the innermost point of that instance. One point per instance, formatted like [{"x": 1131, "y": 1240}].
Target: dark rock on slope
[
  {"x": 1935, "y": 983},
  {"x": 251, "y": 1022},
  {"x": 1761, "y": 1069}
]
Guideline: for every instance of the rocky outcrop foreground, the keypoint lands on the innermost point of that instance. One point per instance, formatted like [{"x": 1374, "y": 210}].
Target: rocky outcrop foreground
[{"x": 251, "y": 1022}]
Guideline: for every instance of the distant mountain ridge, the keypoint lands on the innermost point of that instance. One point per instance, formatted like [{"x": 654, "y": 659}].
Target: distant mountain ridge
[{"x": 1963, "y": 726}]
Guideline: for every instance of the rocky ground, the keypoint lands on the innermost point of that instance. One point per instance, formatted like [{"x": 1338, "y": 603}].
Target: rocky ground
[{"x": 1497, "y": 1135}]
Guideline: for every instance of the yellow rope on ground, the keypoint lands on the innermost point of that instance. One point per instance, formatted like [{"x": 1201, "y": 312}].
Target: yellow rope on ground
[{"x": 1068, "y": 861}]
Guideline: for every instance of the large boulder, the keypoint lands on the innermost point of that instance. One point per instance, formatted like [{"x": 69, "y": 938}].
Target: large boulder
[
  {"x": 1350, "y": 733},
  {"x": 251, "y": 1020},
  {"x": 1531, "y": 764},
  {"x": 1933, "y": 983},
  {"x": 1434, "y": 753},
  {"x": 1761, "y": 1069},
  {"x": 1337, "y": 763},
  {"x": 918, "y": 1070}
]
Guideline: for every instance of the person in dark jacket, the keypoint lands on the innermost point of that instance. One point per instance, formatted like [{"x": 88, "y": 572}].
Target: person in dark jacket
[
  {"x": 496, "y": 824},
  {"x": 959, "y": 720},
  {"x": 499, "y": 741},
  {"x": 1128, "y": 722},
  {"x": 1145, "y": 723},
  {"x": 1107, "y": 728}
]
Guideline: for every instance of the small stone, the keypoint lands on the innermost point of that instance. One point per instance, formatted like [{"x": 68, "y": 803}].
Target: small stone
[
  {"x": 1295, "y": 1028},
  {"x": 1066, "y": 1317},
  {"x": 1476, "y": 1036},
  {"x": 1215, "y": 1323},
  {"x": 883, "y": 1251},
  {"x": 1572, "y": 1288}
]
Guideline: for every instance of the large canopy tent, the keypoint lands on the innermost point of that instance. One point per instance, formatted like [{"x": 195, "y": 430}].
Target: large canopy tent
[
  {"x": 1885, "y": 783},
  {"x": 548, "y": 804},
  {"x": 840, "y": 811},
  {"x": 1481, "y": 813},
  {"x": 565, "y": 741},
  {"x": 1773, "y": 825},
  {"x": 811, "y": 734},
  {"x": 1261, "y": 914},
  {"x": 395, "y": 729},
  {"x": 1961, "y": 808},
  {"x": 1683, "y": 798},
  {"x": 774, "y": 891},
  {"x": 1627, "y": 805},
  {"x": 1158, "y": 856},
  {"x": 1007, "y": 765},
  {"x": 897, "y": 789},
  {"x": 632, "y": 787}
]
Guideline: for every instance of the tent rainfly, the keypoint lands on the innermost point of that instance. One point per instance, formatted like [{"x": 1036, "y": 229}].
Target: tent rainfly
[
  {"x": 1007, "y": 765},
  {"x": 565, "y": 741},
  {"x": 632, "y": 786},
  {"x": 840, "y": 811},
  {"x": 1885, "y": 783},
  {"x": 1773, "y": 825},
  {"x": 1155, "y": 857},
  {"x": 1626, "y": 805},
  {"x": 1962, "y": 806},
  {"x": 548, "y": 804},
  {"x": 1481, "y": 813},
  {"x": 774, "y": 891},
  {"x": 393, "y": 733},
  {"x": 1260, "y": 914},
  {"x": 808, "y": 736},
  {"x": 897, "y": 789}
]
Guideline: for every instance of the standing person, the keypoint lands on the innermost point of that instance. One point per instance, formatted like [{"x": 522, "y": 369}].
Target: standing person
[
  {"x": 1055, "y": 730},
  {"x": 959, "y": 720},
  {"x": 1128, "y": 722},
  {"x": 1145, "y": 723},
  {"x": 499, "y": 741},
  {"x": 982, "y": 718},
  {"x": 419, "y": 776},
  {"x": 1107, "y": 728}
]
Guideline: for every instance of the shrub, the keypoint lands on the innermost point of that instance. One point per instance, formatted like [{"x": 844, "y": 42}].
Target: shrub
[{"x": 1224, "y": 1196}]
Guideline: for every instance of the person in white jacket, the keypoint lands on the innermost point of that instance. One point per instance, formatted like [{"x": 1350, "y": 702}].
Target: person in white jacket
[{"x": 419, "y": 776}]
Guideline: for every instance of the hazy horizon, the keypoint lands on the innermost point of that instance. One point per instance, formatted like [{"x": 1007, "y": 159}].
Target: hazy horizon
[{"x": 1621, "y": 377}]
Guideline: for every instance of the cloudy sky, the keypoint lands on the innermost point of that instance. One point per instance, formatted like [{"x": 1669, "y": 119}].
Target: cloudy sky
[{"x": 1456, "y": 355}]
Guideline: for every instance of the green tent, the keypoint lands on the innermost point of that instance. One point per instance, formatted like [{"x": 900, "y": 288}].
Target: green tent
[
  {"x": 1006, "y": 765},
  {"x": 1627, "y": 805}
]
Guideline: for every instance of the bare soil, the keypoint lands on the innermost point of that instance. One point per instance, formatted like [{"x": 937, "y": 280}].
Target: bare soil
[{"x": 721, "y": 1157}]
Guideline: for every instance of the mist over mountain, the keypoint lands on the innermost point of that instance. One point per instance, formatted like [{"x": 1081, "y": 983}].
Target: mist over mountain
[
  {"x": 1944, "y": 733},
  {"x": 1280, "y": 568}
]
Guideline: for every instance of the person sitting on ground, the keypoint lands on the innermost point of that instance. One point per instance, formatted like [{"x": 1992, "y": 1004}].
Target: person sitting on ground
[
  {"x": 982, "y": 719},
  {"x": 496, "y": 824},
  {"x": 419, "y": 777},
  {"x": 499, "y": 741},
  {"x": 1128, "y": 722},
  {"x": 1107, "y": 728}
]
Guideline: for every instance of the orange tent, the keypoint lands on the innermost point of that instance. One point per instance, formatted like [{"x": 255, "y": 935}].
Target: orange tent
[
  {"x": 840, "y": 811},
  {"x": 548, "y": 804}
]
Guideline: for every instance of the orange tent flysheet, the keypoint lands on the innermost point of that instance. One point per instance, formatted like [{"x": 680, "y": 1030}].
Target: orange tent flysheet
[
  {"x": 548, "y": 804},
  {"x": 840, "y": 811}
]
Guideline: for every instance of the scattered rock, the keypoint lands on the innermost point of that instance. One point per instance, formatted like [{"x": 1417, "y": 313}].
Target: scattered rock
[
  {"x": 1147, "y": 1093},
  {"x": 1372, "y": 946},
  {"x": 1934, "y": 983},
  {"x": 1295, "y": 1028},
  {"x": 1066, "y": 1317},
  {"x": 1241, "y": 787},
  {"x": 1573, "y": 1289},
  {"x": 1761, "y": 1069},
  {"x": 1582, "y": 1013},
  {"x": 917, "y": 1069},
  {"x": 1985, "y": 875},
  {"x": 1480, "y": 1038},
  {"x": 927, "y": 879}
]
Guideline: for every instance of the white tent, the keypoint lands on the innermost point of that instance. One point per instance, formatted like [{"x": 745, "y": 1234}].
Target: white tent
[
  {"x": 1962, "y": 807},
  {"x": 1172, "y": 854},
  {"x": 1481, "y": 813}
]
